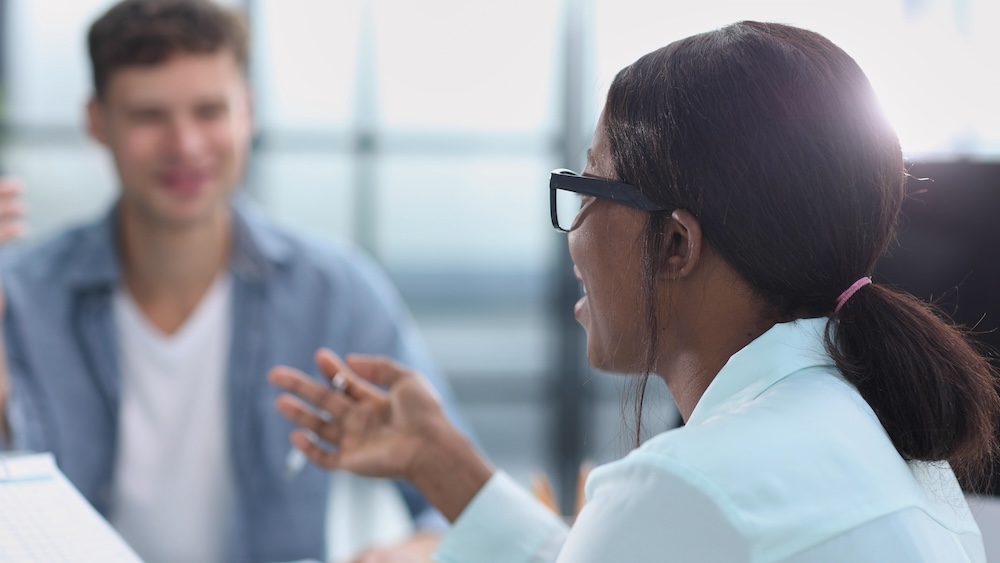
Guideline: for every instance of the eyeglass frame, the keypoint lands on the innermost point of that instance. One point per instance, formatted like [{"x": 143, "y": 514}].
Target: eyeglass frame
[{"x": 617, "y": 192}]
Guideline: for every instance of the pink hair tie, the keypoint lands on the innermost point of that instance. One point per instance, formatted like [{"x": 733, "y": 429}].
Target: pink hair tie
[{"x": 851, "y": 291}]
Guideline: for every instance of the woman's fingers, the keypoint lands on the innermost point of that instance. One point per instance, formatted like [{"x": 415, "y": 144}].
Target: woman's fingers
[
  {"x": 343, "y": 377},
  {"x": 312, "y": 391},
  {"x": 326, "y": 428},
  {"x": 318, "y": 455}
]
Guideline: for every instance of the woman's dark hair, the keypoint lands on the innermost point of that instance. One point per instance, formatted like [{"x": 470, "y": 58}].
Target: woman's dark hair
[
  {"x": 773, "y": 138},
  {"x": 148, "y": 32}
]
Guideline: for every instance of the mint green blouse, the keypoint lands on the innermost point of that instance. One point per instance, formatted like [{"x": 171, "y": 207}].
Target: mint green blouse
[{"x": 780, "y": 461}]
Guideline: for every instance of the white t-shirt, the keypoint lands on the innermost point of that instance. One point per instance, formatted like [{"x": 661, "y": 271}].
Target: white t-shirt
[{"x": 172, "y": 485}]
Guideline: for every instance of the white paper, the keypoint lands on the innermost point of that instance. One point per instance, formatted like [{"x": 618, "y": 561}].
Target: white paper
[{"x": 44, "y": 519}]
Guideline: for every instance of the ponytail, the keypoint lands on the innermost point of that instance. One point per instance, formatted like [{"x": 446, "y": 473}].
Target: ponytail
[{"x": 934, "y": 393}]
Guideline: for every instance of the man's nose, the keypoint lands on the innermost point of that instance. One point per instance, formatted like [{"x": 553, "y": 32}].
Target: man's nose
[{"x": 186, "y": 137}]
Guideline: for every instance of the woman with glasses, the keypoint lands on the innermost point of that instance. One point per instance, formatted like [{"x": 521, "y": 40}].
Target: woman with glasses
[{"x": 739, "y": 189}]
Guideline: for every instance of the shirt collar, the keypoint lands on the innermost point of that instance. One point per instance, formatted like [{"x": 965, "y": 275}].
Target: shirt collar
[
  {"x": 95, "y": 262},
  {"x": 778, "y": 353},
  {"x": 257, "y": 249}
]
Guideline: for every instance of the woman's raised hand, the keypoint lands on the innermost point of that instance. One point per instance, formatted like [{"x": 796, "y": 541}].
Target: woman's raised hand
[
  {"x": 381, "y": 419},
  {"x": 374, "y": 432}
]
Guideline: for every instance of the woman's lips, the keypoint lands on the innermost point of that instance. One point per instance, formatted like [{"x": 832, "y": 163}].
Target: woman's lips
[
  {"x": 582, "y": 303},
  {"x": 576, "y": 272}
]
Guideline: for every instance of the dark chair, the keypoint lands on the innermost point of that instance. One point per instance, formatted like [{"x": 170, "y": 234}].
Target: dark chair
[{"x": 948, "y": 249}]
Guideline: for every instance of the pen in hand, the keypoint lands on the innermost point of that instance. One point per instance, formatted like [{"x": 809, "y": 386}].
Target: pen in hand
[{"x": 296, "y": 460}]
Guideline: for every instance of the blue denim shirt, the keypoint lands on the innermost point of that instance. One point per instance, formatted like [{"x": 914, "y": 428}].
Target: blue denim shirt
[{"x": 291, "y": 296}]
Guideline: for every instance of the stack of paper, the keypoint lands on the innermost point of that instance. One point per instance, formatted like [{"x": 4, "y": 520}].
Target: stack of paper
[{"x": 44, "y": 519}]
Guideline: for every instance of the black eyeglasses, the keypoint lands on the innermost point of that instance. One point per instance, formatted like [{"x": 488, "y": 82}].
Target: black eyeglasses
[{"x": 566, "y": 188}]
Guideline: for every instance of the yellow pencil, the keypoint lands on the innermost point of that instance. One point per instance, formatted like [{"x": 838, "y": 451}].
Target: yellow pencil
[
  {"x": 542, "y": 489},
  {"x": 581, "y": 484}
]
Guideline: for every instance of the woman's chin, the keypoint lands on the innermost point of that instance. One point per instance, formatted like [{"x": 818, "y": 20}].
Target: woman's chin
[
  {"x": 614, "y": 360},
  {"x": 599, "y": 355},
  {"x": 597, "y": 358}
]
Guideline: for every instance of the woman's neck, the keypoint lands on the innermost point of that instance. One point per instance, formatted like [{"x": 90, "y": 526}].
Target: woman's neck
[{"x": 706, "y": 322}]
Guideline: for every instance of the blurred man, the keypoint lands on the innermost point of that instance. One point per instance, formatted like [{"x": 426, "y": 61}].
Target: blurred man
[{"x": 138, "y": 346}]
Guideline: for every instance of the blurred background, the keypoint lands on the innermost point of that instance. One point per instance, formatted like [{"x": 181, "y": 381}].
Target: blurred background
[{"x": 423, "y": 131}]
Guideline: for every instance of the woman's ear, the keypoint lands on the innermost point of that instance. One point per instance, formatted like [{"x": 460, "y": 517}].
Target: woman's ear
[{"x": 683, "y": 244}]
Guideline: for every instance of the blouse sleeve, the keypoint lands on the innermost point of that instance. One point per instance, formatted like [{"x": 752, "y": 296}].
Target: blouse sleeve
[
  {"x": 637, "y": 511},
  {"x": 503, "y": 523}
]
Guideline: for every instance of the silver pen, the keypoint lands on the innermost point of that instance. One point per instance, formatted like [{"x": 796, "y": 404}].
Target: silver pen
[{"x": 296, "y": 460}]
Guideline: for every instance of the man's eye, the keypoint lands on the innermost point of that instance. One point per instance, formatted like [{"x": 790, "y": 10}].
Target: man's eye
[
  {"x": 211, "y": 112},
  {"x": 147, "y": 116}
]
